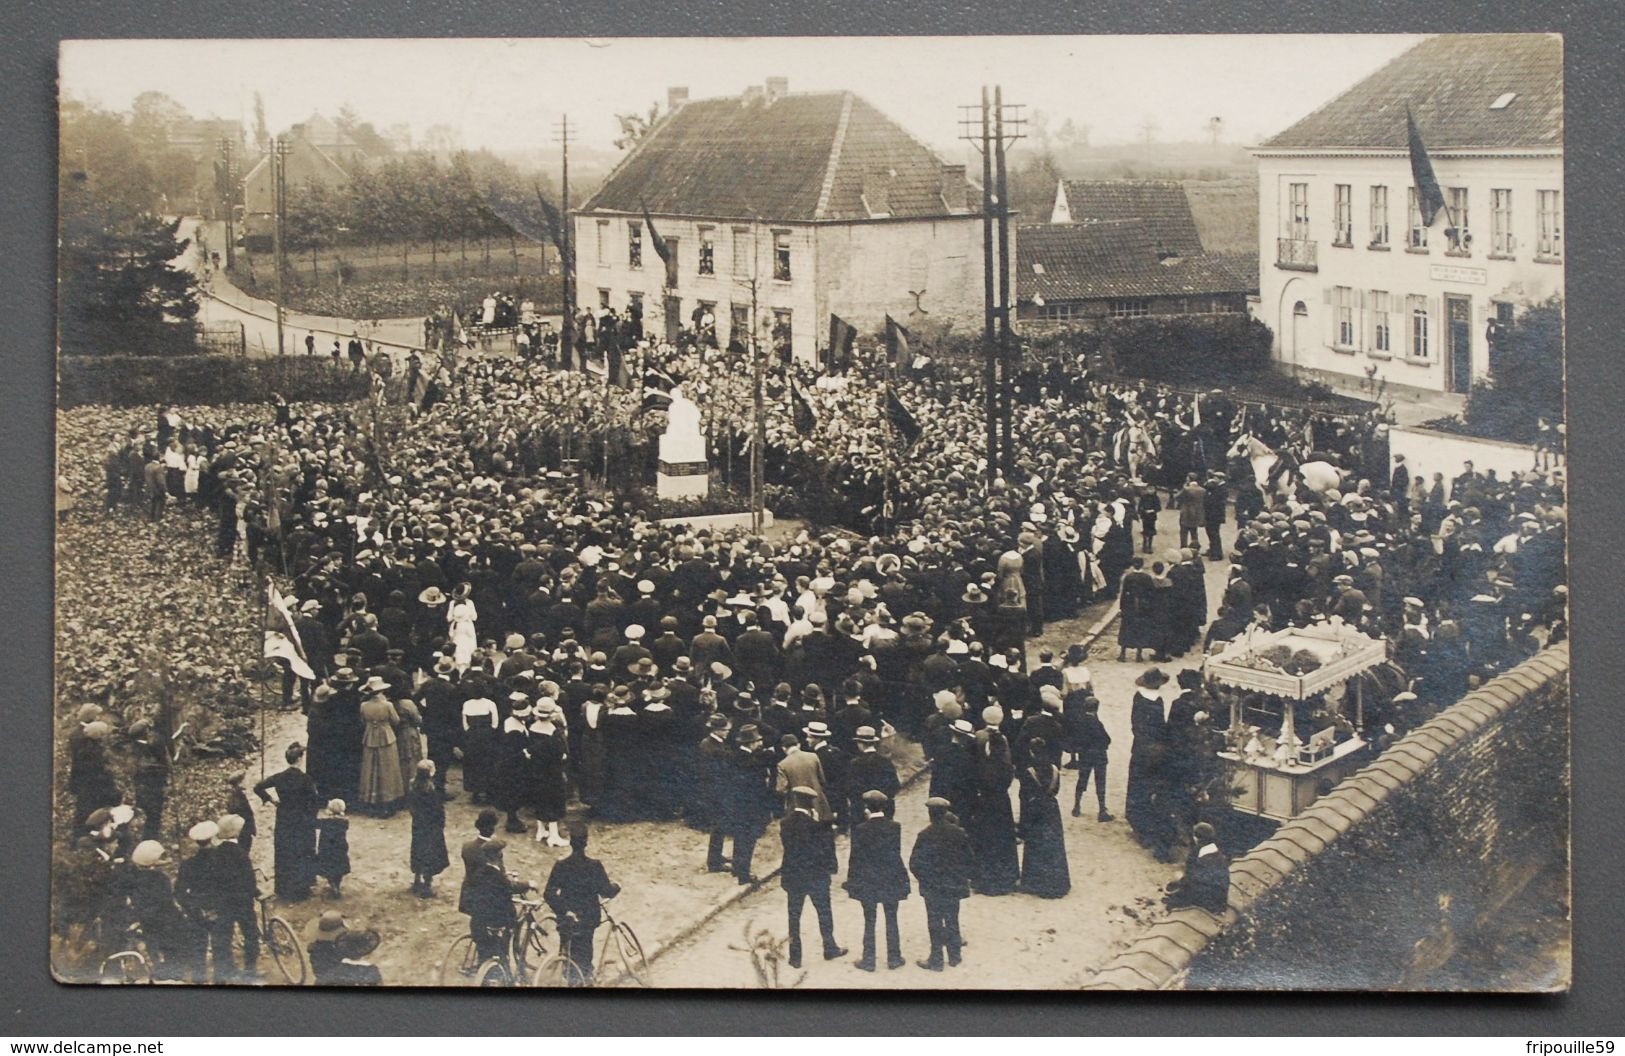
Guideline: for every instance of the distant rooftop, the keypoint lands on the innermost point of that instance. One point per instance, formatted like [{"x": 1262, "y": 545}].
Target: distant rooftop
[
  {"x": 1118, "y": 258},
  {"x": 1160, "y": 203}
]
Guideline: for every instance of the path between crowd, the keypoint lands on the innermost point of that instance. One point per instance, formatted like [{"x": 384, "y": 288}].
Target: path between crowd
[
  {"x": 1017, "y": 941},
  {"x": 691, "y": 921}
]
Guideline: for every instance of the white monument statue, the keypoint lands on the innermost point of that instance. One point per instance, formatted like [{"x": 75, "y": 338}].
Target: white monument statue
[{"x": 684, "y": 471}]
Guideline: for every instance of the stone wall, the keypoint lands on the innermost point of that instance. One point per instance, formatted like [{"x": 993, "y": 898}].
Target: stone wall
[
  {"x": 1382, "y": 881},
  {"x": 1429, "y": 451}
]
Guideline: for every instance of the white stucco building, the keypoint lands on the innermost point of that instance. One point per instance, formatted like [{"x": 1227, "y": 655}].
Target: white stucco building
[
  {"x": 816, "y": 200},
  {"x": 1350, "y": 282}
]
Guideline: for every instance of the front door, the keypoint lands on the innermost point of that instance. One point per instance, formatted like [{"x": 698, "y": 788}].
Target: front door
[
  {"x": 674, "y": 319},
  {"x": 1459, "y": 338}
]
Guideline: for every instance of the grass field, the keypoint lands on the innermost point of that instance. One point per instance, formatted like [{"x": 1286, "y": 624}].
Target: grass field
[{"x": 1226, "y": 214}]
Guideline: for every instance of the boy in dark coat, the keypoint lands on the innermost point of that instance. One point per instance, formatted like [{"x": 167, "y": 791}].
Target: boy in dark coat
[
  {"x": 876, "y": 876},
  {"x": 809, "y": 862},
  {"x": 941, "y": 862}
]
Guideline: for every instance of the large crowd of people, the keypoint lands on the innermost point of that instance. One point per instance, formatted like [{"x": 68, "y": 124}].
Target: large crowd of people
[{"x": 460, "y": 603}]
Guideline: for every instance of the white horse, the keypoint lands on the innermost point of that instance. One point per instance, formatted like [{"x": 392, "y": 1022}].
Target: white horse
[
  {"x": 1268, "y": 466},
  {"x": 1133, "y": 446}
]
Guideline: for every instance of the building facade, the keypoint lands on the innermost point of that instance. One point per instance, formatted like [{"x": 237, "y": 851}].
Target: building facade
[
  {"x": 779, "y": 210},
  {"x": 1351, "y": 282},
  {"x": 308, "y": 161}
]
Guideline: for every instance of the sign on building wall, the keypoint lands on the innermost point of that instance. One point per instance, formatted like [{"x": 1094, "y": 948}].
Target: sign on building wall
[{"x": 1453, "y": 273}]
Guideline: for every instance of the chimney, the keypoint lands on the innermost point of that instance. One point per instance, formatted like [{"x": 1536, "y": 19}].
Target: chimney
[
  {"x": 953, "y": 188},
  {"x": 777, "y": 88},
  {"x": 877, "y": 192},
  {"x": 675, "y": 98},
  {"x": 753, "y": 95}
]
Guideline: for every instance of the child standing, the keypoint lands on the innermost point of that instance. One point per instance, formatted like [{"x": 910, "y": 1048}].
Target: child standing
[{"x": 333, "y": 846}]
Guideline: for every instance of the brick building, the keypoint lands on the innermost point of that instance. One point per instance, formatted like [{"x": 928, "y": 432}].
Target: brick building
[
  {"x": 1161, "y": 204},
  {"x": 1351, "y": 281},
  {"x": 318, "y": 152},
  {"x": 817, "y": 200}
]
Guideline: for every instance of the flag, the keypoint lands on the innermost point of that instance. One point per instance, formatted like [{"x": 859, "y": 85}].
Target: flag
[
  {"x": 555, "y": 227},
  {"x": 282, "y": 637},
  {"x": 842, "y": 337},
  {"x": 657, "y": 386},
  {"x": 662, "y": 250},
  {"x": 801, "y": 411},
  {"x": 1196, "y": 412},
  {"x": 1429, "y": 198},
  {"x": 898, "y": 339},
  {"x": 901, "y": 418}
]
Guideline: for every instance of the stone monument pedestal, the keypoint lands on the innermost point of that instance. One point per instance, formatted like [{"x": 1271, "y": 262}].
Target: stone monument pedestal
[{"x": 684, "y": 471}]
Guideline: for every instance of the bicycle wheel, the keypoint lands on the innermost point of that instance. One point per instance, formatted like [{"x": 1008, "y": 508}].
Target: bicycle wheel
[
  {"x": 556, "y": 971},
  {"x": 284, "y": 946},
  {"x": 493, "y": 973},
  {"x": 531, "y": 945},
  {"x": 634, "y": 965},
  {"x": 126, "y": 968},
  {"x": 460, "y": 963}
]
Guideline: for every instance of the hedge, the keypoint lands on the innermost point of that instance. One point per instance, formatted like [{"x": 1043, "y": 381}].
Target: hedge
[
  {"x": 1192, "y": 348},
  {"x": 131, "y": 381}
]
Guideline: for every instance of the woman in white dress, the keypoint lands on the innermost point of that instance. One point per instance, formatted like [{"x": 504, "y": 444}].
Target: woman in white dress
[
  {"x": 461, "y": 615},
  {"x": 194, "y": 473}
]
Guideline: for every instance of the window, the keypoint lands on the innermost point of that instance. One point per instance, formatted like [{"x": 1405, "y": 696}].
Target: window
[
  {"x": 1382, "y": 334},
  {"x": 1055, "y": 313},
  {"x": 781, "y": 256},
  {"x": 1501, "y": 223},
  {"x": 1460, "y": 234},
  {"x": 1548, "y": 217},
  {"x": 782, "y": 334},
  {"x": 634, "y": 303},
  {"x": 1128, "y": 307},
  {"x": 1417, "y": 307},
  {"x": 739, "y": 323},
  {"x": 1419, "y": 231},
  {"x": 603, "y": 297},
  {"x": 1379, "y": 216},
  {"x": 1343, "y": 315},
  {"x": 1343, "y": 214},
  {"x": 708, "y": 251},
  {"x": 1298, "y": 217},
  {"x": 1223, "y": 306},
  {"x": 634, "y": 244},
  {"x": 602, "y": 245},
  {"x": 744, "y": 253}
]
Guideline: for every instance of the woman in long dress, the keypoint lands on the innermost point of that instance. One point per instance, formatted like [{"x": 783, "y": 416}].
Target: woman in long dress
[
  {"x": 409, "y": 738},
  {"x": 549, "y": 784},
  {"x": 382, "y": 785},
  {"x": 1044, "y": 871},
  {"x": 293, "y": 839},
  {"x": 480, "y": 724},
  {"x": 1145, "y": 808},
  {"x": 461, "y": 616},
  {"x": 428, "y": 858},
  {"x": 989, "y": 822},
  {"x": 513, "y": 763}
]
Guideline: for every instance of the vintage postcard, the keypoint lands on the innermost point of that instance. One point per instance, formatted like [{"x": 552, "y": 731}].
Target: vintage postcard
[{"x": 949, "y": 512}]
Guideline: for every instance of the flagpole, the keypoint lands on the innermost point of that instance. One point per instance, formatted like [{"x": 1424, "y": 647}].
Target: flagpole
[{"x": 265, "y": 618}]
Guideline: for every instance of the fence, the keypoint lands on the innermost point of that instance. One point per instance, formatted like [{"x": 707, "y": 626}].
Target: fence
[{"x": 222, "y": 339}]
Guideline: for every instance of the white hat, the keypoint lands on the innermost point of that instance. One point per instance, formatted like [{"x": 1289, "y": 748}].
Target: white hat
[{"x": 634, "y": 632}]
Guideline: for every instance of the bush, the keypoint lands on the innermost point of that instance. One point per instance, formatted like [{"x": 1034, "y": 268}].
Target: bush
[
  {"x": 1525, "y": 383},
  {"x": 129, "y": 381},
  {"x": 1201, "y": 349}
]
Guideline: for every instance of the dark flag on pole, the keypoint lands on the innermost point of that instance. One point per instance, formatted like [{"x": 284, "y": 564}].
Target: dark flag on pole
[
  {"x": 898, "y": 340},
  {"x": 801, "y": 411},
  {"x": 555, "y": 223},
  {"x": 1429, "y": 197},
  {"x": 842, "y": 338},
  {"x": 657, "y": 386},
  {"x": 662, "y": 250},
  {"x": 901, "y": 418}
]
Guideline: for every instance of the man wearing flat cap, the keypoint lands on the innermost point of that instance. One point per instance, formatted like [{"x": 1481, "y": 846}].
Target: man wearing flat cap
[
  {"x": 941, "y": 863},
  {"x": 809, "y": 862},
  {"x": 876, "y": 876},
  {"x": 235, "y": 891}
]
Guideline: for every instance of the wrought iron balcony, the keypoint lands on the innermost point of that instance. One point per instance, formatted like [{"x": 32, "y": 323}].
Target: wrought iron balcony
[{"x": 1296, "y": 254}]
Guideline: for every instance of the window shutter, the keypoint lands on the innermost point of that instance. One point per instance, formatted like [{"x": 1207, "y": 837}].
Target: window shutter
[
  {"x": 1360, "y": 339},
  {"x": 1329, "y": 304}
]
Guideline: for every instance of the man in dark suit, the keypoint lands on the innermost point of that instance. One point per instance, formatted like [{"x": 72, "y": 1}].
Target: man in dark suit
[
  {"x": 486, "y": 894},
  {"x": 709, "y": 647},
  {"x": 869, "y": 771},
  {"x": 875, "y": 875},
  {"x": 1206, "y": 883},
  {"x": 941, "y": 863},
  {"x": 573, "y": 889},
  {"x": 749, "y": 797},
  {"x": 809, "y": 862},
  {"x": 1399, "y": 489},
  {"x": 709, "y": 801},
  {"x": 756, "y": 652}
]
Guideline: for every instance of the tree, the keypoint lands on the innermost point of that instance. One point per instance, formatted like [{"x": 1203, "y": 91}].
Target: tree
[
  {"x": 443, "y": 141},
  {"x": 1032, "y": 186},
  {"x": 1525, "y": 382},
  {"x": 312, "y": 221},
  {"x": 362, "y": 133},
  {"x": 635, "y": 126}
]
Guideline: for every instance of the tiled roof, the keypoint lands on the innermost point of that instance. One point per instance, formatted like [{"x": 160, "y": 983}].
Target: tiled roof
[
  {"x": 1117, "y": 258},
  {"x": 804, "y": 156},
  {"x": 1450, "y": 83},
  {"x": 1160, "y": 203}
]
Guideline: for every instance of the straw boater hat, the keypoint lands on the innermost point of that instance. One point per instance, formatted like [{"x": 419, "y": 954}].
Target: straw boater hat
[
  {"x": 326, "y": 928},
  {"x": 374, "y": 685},
  {"x": 433, "y": 596},
  {"x": 1152, "y": 679}
]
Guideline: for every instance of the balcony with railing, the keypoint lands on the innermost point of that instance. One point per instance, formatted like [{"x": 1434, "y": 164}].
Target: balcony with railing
[{"x": 1295, "y": 254}]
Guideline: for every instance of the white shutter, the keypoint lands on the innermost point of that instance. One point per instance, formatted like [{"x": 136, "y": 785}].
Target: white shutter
[
  {"x": 1328, "y": 304},
  {"x": 1360, "y": 340}
]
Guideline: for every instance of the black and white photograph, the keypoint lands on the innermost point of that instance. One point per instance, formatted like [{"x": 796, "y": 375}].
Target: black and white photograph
[{"x": 812, "y": 513}]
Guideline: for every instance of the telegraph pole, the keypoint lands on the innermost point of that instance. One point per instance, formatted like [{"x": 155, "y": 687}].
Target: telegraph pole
[
  {"x": 1007, "y": 357},
  {"x": 228, "y": 195},
  {"x": 561, "y": 135},
  {"x": 279, "y": 201}
]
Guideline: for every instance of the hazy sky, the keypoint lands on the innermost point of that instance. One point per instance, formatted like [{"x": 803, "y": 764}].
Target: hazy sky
[{"x": 506, "y": 94}]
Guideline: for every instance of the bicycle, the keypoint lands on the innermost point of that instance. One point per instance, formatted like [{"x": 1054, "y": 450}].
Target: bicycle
[
  {"x": 525, "y": 950},
  {"x": 620, "y": 959},
  {"x": 127, "y": 967},
  {"x": 277, "y": 936}
]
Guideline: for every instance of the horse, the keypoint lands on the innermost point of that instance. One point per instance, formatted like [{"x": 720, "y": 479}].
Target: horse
[
  {"x": 1279, "y": 473},
  {"x": 1134, "y": 445}
]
